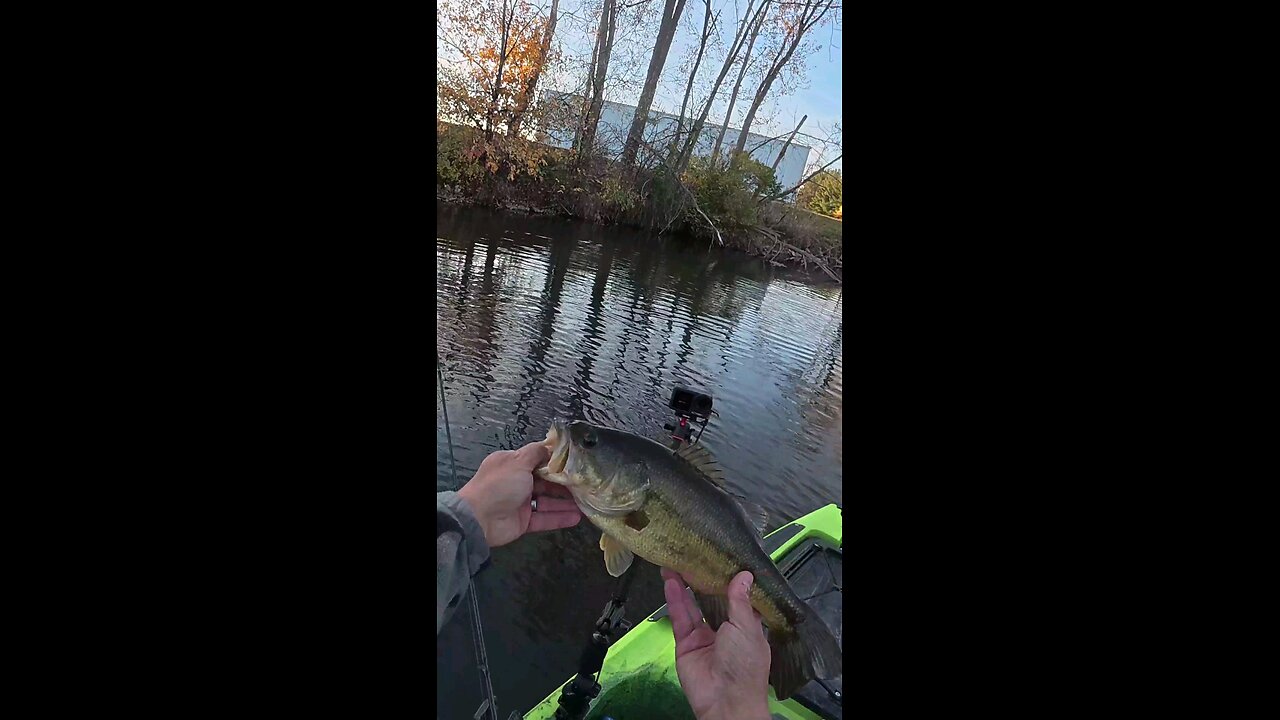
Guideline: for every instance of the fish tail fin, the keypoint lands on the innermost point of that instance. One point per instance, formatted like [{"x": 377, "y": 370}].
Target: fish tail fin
[{"x": 812, "y": 651}]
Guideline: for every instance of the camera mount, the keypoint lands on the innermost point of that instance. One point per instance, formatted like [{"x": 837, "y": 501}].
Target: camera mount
[{"x": 690, "y": 407}]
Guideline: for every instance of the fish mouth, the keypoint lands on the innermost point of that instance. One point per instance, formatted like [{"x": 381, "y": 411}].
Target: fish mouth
[{"x": 558, "y": 442}]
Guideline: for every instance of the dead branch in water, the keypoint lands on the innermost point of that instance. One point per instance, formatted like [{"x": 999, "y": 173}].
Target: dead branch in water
[
  {"x": 778, "y": 245},
  {"x": 816, "y": 260}
]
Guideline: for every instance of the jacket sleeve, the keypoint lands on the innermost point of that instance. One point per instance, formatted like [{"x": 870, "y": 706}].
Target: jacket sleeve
[{"x": 461, "y": 551}]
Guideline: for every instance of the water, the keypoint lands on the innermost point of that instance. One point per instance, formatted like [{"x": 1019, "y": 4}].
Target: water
[{"x": 543, "y": 318}]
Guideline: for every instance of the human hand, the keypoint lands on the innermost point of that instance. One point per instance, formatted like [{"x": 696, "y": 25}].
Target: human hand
[
  {"x": 500, "y": 492},
  {"x": 724, "y": 673}
]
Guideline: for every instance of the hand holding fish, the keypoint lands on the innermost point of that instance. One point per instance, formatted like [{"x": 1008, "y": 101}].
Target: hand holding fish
[
  {"x": 503, "y": 491},
  {"x": 724, "y": 673},
  {"x": 672, "y": 509}
]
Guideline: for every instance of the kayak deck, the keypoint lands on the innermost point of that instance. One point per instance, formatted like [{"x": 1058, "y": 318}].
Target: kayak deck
[{"x": 639, "y": 674}]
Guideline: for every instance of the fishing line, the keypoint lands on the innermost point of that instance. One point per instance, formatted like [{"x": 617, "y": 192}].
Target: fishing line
[{"x": 477, "y": 631}]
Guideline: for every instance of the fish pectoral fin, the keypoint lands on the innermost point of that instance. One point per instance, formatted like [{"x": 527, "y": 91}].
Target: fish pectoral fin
[
  {"x": 715, "y": 608},
  {"x": 617, "y": 558}
]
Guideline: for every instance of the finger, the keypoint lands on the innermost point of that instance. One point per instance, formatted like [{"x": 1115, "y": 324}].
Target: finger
[
  {"x": 740, "y": 610},
  {"x": 548, "y": 504},
  {"x": 533, "y": 456},
  {"x": 669, "y": 574},
  {"x": 542, "y": 488},
  {"x": 677, "y": 608},
  {"x": 544, "y": 521},
  {"x": 685, "y": 606},
  {"x": 692, "y": 609}
]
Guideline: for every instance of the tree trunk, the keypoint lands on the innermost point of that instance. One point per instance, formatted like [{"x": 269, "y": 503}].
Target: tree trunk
[
  {"x": 787, "y": 144},
  {"x": 608, "y": 17},
  {"x": 666, "y": 31},
  {"x": 733, "y": 98},
  {"x": 688, "y": 88},
  {"x": 504, "y": 20},
  {"x": 587, "y": 91},
  {"x": 531, "y": 85},
  {"x": 756, "y": 102}
]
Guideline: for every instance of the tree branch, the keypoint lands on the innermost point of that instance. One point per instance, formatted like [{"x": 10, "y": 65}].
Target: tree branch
[
  {"x": 678, "y": 181},
  {"x": 788, "y": 191}
]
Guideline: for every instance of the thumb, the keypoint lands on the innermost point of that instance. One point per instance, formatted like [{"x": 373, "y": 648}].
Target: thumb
[
  {"x": 533, "y": 456},
  {"x": 740, "y": 611}
]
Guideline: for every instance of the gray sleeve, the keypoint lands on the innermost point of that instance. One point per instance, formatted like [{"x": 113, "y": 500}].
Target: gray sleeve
[{"x": 461, "y": 551}]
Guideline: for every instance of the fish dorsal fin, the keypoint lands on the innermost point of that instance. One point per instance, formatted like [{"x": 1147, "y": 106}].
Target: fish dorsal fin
[
  {"x": 701, "y": 460},
  {"x": 756, "y": 516}
]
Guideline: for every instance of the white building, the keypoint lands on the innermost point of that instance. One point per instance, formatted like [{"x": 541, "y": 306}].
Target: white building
[{"x": 615, "y": 122}]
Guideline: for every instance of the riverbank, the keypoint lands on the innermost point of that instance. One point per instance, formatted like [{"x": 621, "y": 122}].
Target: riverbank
[{"x": 715, "y": 204}]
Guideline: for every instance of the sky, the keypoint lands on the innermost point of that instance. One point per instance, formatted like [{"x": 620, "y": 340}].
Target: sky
[
  {"x": 820, "y": 96},
  {"x": 821, "y": 100}
]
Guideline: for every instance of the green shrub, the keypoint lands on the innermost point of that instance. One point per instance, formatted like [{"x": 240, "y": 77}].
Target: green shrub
[
  {"x": 824, "y": 194},
  {"x": 454, "y": 165},
  {"x": 727, "y": 192},
  {"x": 617, "y": 195}
]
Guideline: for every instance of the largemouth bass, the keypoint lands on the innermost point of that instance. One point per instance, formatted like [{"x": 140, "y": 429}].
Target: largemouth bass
[{"x": 672, "y": 510}]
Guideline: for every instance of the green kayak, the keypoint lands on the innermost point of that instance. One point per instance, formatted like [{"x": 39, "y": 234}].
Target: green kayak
[{"x": 638, "y": 678}]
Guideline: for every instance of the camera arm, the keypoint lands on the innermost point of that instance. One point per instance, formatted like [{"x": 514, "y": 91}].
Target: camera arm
[{"x": 576, "y": 697}]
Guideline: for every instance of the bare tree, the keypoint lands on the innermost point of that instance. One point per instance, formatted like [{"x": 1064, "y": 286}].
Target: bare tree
[
  {"x": 666, "y": 31},
  {"x": 600, "y": 67},
  {"x": 708, "y": 25},
  {"x": 739, "y": 37},
  {"x": 746, "y": 62},
  {"x": 805, "y": 15}
]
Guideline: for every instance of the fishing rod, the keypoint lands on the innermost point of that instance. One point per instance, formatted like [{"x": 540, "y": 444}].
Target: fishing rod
[{"x": 488, "y": 707}]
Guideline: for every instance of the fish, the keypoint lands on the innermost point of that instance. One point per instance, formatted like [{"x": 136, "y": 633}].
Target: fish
[{"x": 671, "y": 508}]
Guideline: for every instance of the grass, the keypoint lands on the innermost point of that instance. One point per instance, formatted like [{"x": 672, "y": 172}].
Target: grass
[{"x": 828, "y": 228}]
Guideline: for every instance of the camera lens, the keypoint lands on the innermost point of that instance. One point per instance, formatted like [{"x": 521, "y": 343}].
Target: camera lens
[{"x": 702, "y": 404}]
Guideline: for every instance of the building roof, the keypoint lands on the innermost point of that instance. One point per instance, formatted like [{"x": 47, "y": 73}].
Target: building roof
[{"x": 661, "y": 114}]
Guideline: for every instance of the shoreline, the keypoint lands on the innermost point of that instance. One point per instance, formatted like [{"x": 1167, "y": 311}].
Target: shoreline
[
  {"x": 707, "y": 200},
  {"x": 795, "y": 267}
]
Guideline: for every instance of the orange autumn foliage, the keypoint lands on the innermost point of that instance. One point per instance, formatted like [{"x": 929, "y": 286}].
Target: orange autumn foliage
[{"x": 500, "y": 45}]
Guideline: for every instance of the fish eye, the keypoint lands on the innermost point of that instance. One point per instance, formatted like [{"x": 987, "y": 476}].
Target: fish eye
[{"x": 589, "y": 440}]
